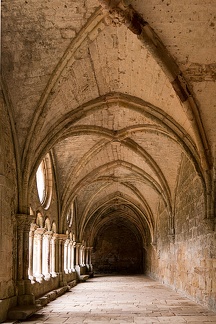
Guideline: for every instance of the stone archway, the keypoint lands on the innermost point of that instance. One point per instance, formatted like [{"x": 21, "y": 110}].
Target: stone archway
[{"x": 118, "y": 249}]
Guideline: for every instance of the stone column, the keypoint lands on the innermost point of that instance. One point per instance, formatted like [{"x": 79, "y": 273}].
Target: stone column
[
  {"x": 90, "y": 262},
  {"x": 60, "y": 263},
  {"x": 69, "y": 256},
  {"x": 87, "y": 258},
  {"x": 33, "y": 227},
  {"x": 66, "y": 243},
  {"x": 84, "y": 255},
  {"x": 53, "y": 256},
  {"x": 46, "y": 254},
  {"x": 77, "y": 265},
  {"x": 61, "y": 240},
  {"x": 81, "y": 255},
  {"x": 39, "y": 257},
  {"x": 73, "y": 256},
  {"x": 24, "y": 222}
]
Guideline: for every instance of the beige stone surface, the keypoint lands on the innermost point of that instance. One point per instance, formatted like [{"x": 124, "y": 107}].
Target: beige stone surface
[{"x": 122, "y": 299}]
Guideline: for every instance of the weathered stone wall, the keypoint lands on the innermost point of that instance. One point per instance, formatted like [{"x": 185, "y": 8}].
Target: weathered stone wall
[
  {"x": 8, "y": 205},
  {"x": 188, "y": 263}
]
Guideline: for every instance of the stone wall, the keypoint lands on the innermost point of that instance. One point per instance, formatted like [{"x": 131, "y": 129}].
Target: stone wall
[
  {"x": 8, "y": 205},
  {"x": 187, "y": 262}
]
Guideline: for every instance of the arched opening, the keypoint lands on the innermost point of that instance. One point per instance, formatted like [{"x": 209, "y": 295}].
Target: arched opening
[{"x": 118, "y": 249}]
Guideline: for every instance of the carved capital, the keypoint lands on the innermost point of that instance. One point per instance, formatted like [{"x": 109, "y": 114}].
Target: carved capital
[
  {"x": 61, "y": 237},
  {"x": 24, "y": 222},
  {"x": 40, "y": 231}
]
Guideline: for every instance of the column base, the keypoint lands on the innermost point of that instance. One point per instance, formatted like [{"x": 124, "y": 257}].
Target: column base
[
  {"x": 39, "y": 278},
  {"x": 54, "y": 274}
]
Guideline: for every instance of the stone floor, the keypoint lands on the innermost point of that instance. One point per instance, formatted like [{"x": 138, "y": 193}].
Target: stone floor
[{"x": 122, "y": 299}]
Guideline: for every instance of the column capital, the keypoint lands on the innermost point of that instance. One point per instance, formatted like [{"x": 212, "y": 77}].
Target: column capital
[
  {"x": 48, "y": 233},
  {"x": 61, "y": 237},
  {"x": 40, "y": 231},
  {"x": 24, "y": 221}
]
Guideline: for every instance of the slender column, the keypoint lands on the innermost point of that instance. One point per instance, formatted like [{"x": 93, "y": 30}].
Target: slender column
[
  {"x": 31, "y": 250},
  {"x": 73, "y": 256},
  {"x": 77, "y": 266},
  {"x": 39, "y": 258},
  {"x": 78, "y": 254},
  {"x": 69, "y": 255},
  {"x": 46, "y": 254},
  {"x": 87, "y": 257},
  {"x": 81, "y": 255},
  {"x": 66, "y": 256},
  {"x": 53, "y": 256},
  {"x": 90, "y": 262},
  {"x": 61, "y": 240},
  {"x": 49, "y": 253},
  {"x": 60, "y": 255}
]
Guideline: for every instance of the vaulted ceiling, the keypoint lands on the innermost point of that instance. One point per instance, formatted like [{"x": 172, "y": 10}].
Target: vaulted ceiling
[{"x": 118, "y": 91}]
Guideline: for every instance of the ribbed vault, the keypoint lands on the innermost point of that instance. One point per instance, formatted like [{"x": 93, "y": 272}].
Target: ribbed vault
[{"x": 116, "y": 110}]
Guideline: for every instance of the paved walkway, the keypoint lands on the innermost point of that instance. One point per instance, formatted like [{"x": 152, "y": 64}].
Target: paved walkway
[{"x": 122, "y": 299}]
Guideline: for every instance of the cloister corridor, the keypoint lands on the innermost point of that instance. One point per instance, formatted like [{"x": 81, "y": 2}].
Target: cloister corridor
[
  {"x": 108, "y": 161},
  {"x": 122, "y": 299}
]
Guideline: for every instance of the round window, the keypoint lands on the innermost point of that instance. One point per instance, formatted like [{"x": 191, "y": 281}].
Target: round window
[{"x": 44, "y": 181}]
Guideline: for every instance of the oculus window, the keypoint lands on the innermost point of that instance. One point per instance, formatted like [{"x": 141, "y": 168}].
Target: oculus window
[{"x": 44, "y": 181}]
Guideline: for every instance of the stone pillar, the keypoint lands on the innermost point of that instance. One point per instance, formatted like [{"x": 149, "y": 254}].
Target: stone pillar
[
  {"x": 61, "y": 240},
  {"x": 84, "y": 256},
  {"x": 69, "y": 256},
  {"x": 60, "y": 263},
  {"x": 77, "y": 254},
  {"x": 90, "y": 262},
  {"x": 73, "y": 256},
  {"x": 46, "y": 254},
  {"x": 31, "y": 250},
  {"x": 39, "y": 257},
  {"x": 66, "y": 243},
  {"x": 87, "y": 258},
  {"x": 77, "y": 264},
  {"x": 53, "y": 256},
  {"x": 81, "y": 255},
  {"x": 24, "y": 222}
]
